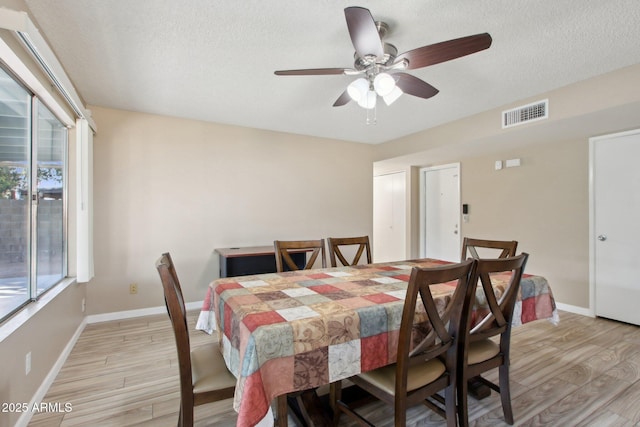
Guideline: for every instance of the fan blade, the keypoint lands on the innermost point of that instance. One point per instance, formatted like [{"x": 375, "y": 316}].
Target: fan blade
[
  {"x": 311, "y": 72},
  {"x": 414, "y": 86},
  {"x": 445, "y": 51},
  {"x": 342, "y": 99},
  {"x": 363, "y": 31}
]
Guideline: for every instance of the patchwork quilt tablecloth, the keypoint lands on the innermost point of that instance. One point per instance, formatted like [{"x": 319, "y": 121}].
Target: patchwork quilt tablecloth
[{"x": 283, "y": 332}]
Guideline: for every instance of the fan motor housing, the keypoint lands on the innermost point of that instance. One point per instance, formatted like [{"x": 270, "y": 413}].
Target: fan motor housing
[{"x": 390, "y": 53}]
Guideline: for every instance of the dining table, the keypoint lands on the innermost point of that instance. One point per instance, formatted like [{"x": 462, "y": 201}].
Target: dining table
[{"x": 291, "y": 331}]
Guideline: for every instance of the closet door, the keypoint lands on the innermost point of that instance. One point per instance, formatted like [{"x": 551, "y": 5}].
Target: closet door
[{"x": 389, "y": 217}]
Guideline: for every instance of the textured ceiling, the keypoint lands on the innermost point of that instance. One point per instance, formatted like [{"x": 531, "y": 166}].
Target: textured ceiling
[{"x": 214, "y": 60}]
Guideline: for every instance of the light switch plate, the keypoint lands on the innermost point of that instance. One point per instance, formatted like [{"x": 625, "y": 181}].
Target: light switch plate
[{"x": 513, "y": 163}]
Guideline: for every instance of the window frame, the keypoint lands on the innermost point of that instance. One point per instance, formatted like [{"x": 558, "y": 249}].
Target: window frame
[{"x": 35, "y": 104}]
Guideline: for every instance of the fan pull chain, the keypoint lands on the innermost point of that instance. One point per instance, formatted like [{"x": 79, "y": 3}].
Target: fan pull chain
[{"x": 372, "y": 118}]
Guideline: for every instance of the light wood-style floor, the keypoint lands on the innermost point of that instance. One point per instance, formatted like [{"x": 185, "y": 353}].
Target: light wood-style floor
[{"x": 583, "y": 372}]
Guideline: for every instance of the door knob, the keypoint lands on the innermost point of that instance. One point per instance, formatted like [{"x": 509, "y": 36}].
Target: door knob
[{"x": 602, "y": 237}]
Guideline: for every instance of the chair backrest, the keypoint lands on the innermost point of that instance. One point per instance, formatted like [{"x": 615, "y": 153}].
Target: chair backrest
[
  {"x": 335, "y": 252},
  {"x": 507, "y": 248},
  {"x": 496, "y": 316},
  {"x": 177, "y": 313},
  {"x": 284, "y": 248},
  {"x": 445, "y": 328}
]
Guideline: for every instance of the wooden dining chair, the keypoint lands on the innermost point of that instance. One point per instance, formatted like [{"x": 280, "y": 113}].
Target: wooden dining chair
[
  {"x": 470, "y": 246},
  {"x": 426, "y": 362},
  {"x": 479, "y": 353},
  {"x": 204, "y": 377},
  {"x": 335, "y": 252},
  {"x": 284, "y": 249}
]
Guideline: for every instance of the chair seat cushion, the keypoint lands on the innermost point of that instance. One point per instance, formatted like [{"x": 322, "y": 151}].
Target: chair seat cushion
[
  {"x": 419, "y": 375},
  {"x": 208, "y": 369},
  {"x": 482, "y": 350}
]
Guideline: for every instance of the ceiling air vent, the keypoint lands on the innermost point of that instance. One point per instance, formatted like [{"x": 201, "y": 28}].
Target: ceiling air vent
[{"x": 525, "y": 114}]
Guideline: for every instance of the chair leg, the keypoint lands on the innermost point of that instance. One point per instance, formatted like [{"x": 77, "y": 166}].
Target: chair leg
[
  {"x": 505, "y": 394},
  {"x": 463, "y": 408},
  {"x": 335, "y": 394},
  {"x": 311, "y": 408},
  {"x": 185, "y": 417},
  {"x": 282, "y": 410},
  {"x": 400, "y": 410},
  {"x": 450, "y": 405}
]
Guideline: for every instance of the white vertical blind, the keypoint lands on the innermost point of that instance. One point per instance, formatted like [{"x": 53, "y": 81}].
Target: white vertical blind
[{"x": 84, "y": 165}]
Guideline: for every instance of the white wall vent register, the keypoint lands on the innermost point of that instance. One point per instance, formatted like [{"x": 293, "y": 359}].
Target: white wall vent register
[{"x": 525, "y": 114}]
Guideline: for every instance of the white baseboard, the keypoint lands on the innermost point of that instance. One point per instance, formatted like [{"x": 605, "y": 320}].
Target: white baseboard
[
  {"x": 130, "y": 314},
  {"x": 24, "y": 419},
  {"x": 575, "y": 309}
]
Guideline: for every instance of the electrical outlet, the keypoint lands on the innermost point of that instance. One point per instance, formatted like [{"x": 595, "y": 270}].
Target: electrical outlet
[
  {"x": 133, "y": 288},
  {"x": 27, "y": 363}
]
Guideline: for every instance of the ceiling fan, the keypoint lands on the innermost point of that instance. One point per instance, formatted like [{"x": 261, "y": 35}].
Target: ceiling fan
[{"x": 381, "y": 69}]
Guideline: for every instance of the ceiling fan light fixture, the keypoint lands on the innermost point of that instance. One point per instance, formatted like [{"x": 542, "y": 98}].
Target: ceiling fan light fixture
[
  {"x": 358, "y": 89},
  {"x": 391, "y": 97},
  {"x": 379, "y": 67},
  {"x": 384, "y": 84},
  {"x": 369, "y": 100}
]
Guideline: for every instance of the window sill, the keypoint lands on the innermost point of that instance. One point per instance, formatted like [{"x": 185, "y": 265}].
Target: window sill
[{"x": 14, "y": 323}]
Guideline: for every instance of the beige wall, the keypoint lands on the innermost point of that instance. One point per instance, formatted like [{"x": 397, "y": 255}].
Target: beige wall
[
  {"x": 45, "y": 335},
  {"x": 544, "y": 204},
  {"x": 188, "y": 187},
  {"x": 591, "y": 107}
]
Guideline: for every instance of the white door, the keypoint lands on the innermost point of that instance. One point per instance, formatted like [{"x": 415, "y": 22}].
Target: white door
[
  {"x": 440, "y": 212},
  {"x": 389, "y": 217},
  {"x": 615, "y": 229}
]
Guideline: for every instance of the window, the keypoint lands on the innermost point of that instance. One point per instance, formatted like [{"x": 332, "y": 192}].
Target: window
[{"x": 33, "y": 146}]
